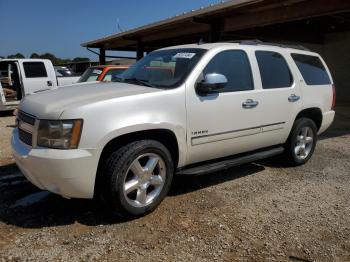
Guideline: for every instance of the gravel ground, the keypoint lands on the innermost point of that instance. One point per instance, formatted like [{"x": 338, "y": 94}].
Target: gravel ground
[{"x": 256, "y": 212}]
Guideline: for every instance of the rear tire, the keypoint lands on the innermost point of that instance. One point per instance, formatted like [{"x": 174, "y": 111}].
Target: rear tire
[
  {"x": 301, "y": 142},
  {"x": 136, "y": 178}
]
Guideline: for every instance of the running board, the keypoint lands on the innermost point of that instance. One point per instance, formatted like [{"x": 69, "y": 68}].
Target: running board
[{"x": 228, "y": 163}]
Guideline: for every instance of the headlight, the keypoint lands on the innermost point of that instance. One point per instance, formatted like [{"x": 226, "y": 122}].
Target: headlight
[{"x": 60, "y": 134}]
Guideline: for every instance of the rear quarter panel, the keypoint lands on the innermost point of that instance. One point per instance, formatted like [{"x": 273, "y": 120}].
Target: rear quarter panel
[{"x": 318, "y": 96}]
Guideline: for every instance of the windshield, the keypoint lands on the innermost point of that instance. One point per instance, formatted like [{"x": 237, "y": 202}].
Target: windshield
[
  {"x": 112, "y": 73},
  {"x": 164, "y": 68},
  {"x": 90, "y": 74}
]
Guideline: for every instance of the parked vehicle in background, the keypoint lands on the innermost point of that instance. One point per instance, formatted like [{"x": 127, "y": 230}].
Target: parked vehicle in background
[
  {"x": 104, "y": 73},
  {"x": 64, "y": 71},
  {"x": 20, "y": 77},
  {"x": 191, "y": 109},
  {"x": 65, "y": 75}
]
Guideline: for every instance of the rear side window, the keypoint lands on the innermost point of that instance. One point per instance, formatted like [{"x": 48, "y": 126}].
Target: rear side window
[
  {"x": 34, "y": 69},
  {"x": 274, "y": 70},
  {"x": 234, "y": 64},
  {"x": 312, "y": 69}
]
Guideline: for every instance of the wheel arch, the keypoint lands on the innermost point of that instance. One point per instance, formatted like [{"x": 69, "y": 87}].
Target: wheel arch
[
  {"x": 314, "y": 113},
  {"x": 165, "y": 136}
]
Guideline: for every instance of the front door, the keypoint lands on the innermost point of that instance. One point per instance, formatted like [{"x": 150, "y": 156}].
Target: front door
[{"x": 225, "y": 122}]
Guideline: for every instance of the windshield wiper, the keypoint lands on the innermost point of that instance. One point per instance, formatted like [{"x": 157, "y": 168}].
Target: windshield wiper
[
  {"x": 117, "y": 79},
  {"x": 138, "y": 81}
]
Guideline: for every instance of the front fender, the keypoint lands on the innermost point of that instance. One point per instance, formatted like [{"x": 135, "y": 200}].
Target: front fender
[{"x": 178, "y": 131}]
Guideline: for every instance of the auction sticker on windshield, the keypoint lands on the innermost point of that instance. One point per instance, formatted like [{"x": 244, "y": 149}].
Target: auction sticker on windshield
[{"x": 184, "y": 55}]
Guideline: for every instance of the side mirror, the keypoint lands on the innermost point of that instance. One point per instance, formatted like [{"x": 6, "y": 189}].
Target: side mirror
[{"x": 212, "y": 82}]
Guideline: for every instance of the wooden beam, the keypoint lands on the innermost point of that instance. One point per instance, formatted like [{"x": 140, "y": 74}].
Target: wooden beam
[
  {"x": 177, "y": 32},
  {"x": 198, "y": 20},
  {"x": 305, "y": 37},
  {"x": 285, "y": 13},
  {"x": 131, "y": 38},
  {"x": 193, "y": 38}
]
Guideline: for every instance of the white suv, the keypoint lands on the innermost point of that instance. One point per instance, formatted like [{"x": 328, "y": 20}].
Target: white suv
[{"x": 188, "y": 109}]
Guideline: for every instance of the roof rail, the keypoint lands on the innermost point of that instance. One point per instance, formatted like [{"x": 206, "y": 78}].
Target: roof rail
[{"x": 259, "y": 42}]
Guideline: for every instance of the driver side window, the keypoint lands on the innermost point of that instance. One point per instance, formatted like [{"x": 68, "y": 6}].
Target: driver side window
[{"x": 234, "y": 64}]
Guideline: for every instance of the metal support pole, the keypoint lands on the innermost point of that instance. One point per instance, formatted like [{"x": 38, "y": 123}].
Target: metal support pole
[
  {"x": 102, "y": 56},
  {"x": 216, "y": 31},
  {"x": 139, "y": 50}
]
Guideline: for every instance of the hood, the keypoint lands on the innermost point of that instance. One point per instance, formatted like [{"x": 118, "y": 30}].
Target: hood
[{"x": 50, "y": 104}]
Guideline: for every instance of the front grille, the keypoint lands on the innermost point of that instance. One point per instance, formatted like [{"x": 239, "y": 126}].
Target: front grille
[
  {"x": 26, "y": 124},
  {"x": 25, "y": 137},
  {"x": 29, "y": 119}
]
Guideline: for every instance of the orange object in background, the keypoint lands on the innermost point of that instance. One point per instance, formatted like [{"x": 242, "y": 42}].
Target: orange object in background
[{"x": 103, "y": 73}]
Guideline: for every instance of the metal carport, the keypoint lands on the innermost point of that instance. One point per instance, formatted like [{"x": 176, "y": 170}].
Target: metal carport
[{"x": 321, "y": 25}]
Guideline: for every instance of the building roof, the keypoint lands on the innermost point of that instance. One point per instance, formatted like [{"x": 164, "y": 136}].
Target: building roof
[
  {"x": 235, "y": 19},
  {"x": 164, "y": 24}
]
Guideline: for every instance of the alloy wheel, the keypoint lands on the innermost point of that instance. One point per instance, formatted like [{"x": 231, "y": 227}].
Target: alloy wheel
[
  {"x": 304, "y": 143},
  {"x": 144, "y": 180}
]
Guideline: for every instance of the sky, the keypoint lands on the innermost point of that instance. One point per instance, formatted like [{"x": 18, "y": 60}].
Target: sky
[{"x": 59, "y": 27}]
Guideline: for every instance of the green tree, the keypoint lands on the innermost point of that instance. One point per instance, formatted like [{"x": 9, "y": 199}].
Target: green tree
[
  {"x": 64, "y": 61},
  {"x": 34, "y": 55},
  {"x": 18, "y": 55},
  {"x": 55, "y": 60},
  {"x": 51, "y": 57},
  {"x": 81, "y": 59}
]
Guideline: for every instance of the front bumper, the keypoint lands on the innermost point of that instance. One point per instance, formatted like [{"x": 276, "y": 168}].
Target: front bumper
[{"x": 69, "y": 173}]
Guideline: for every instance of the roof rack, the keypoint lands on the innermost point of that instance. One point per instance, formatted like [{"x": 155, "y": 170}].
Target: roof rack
[{"x": 259, "y": 42}]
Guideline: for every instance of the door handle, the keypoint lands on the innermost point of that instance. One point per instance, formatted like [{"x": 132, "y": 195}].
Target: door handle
[
  {"x": 293, "y": 98},
  {"x": 49, "y": 83},
  {"x": 250, "y": 103}
]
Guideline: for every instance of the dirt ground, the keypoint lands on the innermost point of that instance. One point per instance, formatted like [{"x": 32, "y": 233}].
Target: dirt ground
[{"x": 262, "y": 211}]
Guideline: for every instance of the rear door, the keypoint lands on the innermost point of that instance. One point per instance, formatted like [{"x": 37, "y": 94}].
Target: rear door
[
  {"x": 280, "y": 98},
  {"x": 36, "y": 77}
]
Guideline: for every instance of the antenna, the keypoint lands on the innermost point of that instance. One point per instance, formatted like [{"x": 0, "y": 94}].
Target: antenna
[
  {"x": 118, "y": 26},
  {"x": 201, "y": 41}
]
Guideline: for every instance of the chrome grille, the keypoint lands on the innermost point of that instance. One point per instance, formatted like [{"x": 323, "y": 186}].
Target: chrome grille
[
  {"x": 26, "y": 124},
  {"x": 25, "y": 137},
  {"x": 29, "y": 119}
]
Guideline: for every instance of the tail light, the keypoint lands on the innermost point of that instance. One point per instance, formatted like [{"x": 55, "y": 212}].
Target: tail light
[{"x": 334, "y": 96}]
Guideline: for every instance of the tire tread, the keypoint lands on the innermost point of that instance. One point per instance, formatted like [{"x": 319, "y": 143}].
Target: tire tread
[{"x": 113, "y": 172}]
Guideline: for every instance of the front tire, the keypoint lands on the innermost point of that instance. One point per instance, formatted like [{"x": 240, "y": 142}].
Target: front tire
[
  {"x": 137, "y": 177},
  {"x": 301, "y": 142}
]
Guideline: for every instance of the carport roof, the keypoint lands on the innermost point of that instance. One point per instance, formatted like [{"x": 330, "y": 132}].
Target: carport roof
[
  {"x": 123, "y": 38},
  {"x": 225, "y": 20}
]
